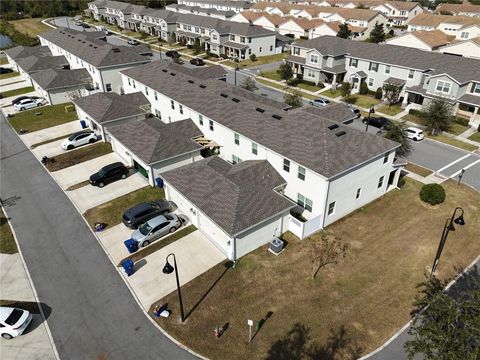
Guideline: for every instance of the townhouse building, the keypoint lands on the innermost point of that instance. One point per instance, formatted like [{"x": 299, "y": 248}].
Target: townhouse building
[
  {"x": 222, "y": 5},
  {"x": 421, "y": 75},
  {"x": 422, "y": 39},
  {"x": 90, "y": 51},
  {"x": 450, "y": 25},
  {"x": 464, "y": 9},
  {"x": 196, "y": 10},
  {"x": 327, "y": 169},
  {"x": 399, "y": 12}
]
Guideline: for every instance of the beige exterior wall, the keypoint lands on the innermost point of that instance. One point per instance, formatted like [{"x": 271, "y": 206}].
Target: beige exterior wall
[
  {"x": 466, "y": 49},
  {"x": 409, "y": 40}
]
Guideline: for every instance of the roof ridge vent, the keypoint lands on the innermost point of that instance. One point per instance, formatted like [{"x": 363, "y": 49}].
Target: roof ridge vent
[
  {"x": 236, "y": 100},
  {"x": 340, "y": 133},
  {"x": 202, "y": 86},
  {"x": 275, "y": 116},
  {"x": 173, "y": 74},
  {"x": 260, "y": 110},
  {"x": 223, "y": 95},
  {"x": 164, "y": 70},
  {"x": 333, "y": 126},
  {"x": 191, "y": 81}
]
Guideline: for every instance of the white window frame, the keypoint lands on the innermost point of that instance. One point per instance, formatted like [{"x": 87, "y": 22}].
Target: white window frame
[
  {"x": 388, "y": 68},
  {"x": 380, "y": 182},
  {"x": 476, "y": 88},
  {"x": 411, "y": 74},
  {"x": 254, "y": 148},
  {"x": 286, "y": 165},
  {"x": 200, "y": 119},
  {"x": 302, "y": 173},
  {"x": 236, "y": 139},
  {"x": 331, "y": 208},
  {"x": 442, "y": 84},
  {"x": 314, "y": 58}
]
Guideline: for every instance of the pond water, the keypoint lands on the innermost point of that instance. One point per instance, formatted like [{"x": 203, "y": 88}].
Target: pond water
[{"x": 5, "y": 41}]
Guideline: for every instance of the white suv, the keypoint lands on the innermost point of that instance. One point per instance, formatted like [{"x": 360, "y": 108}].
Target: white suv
[
  {"x": 28, "y": 104},
  {"x": 78, "y": 139},
  {"x": 13, "y": 322},
  {"x": 414, "y": 133}
]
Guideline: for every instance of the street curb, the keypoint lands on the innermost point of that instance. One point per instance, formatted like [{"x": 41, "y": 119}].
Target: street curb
[
  {"x": 35, "y": 295},
  {"x": 399, "y": 332},
  {"x": 119, "y": 270}
]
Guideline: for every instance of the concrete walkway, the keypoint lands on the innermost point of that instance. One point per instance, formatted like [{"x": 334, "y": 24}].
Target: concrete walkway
[{"x": 50, "y": 133}]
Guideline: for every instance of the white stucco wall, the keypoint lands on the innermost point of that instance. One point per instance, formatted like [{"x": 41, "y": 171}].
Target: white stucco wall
[{"x": 409, "y": 40}]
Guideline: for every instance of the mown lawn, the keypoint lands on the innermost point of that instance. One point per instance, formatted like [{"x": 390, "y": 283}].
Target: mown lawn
[
  {"x": 285, "y": 88},
  {"x": 392, "y": 110},
  {"x": 9, "y": 75},
  {"x": 261, "y": 60},
  {"x": 332, "y": 93},
  {"x": 3, "y": 61},
  {"x": 451, "y": 141},
  {"x": 309, "y": 87},
  {"x": 455, "y": 128},
  {"x": 419, "y": 170},
  {"x": 79, "y": 155},
  {"x": 272, "y": 74},
  {"x": 350, "y": 308},
  {"x": 364, "y": 101},
  {"x": 32, "y": 27},
  {"x": 7, "y": 241},
  {"x": 475, "y": 137},
  {"x": 49, "y": 116},
  {"x": 19, "y": 91},
  {"x": 111, "y": 213}
]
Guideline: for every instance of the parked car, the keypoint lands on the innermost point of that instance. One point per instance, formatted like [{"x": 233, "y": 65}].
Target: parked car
[
  {"x": 13, "y": 321},
  {"x": 378, "y": 122},
  {"x": 143, "y": 212},
  {"x": 132, "y": 42},
  {"x": 78, "y": 23},
  {"x": 109, "y": 174},
  {"x": 172, "y": 53},
  {"x": 320, "y": 102},
  {"x": 78, "y": 139},
  {"x": 354, "y": 109},
  {"x": 20, "y": 98},
  {"x": 414, "y": 133},
  {"x": 85, "y": 26},
  {"x": 27, "y": 104},
  {"x": 4, "y": 70},
  {"x": 197, "y": 62},
  {"x": 155, "y": 228}
]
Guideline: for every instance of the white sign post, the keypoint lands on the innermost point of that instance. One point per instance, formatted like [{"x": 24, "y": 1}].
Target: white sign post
[{"x": 250, "y": 324}]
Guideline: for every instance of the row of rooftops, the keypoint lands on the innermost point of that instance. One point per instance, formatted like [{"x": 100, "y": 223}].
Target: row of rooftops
[
  {"x": 434, "y": 20},
  {"x": 461, "y": 69}
]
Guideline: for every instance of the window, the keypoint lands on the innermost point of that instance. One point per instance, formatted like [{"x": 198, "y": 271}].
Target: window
[
  {"x": 354, "y": 63},
  {"x": 156, "y": 95},
  {"x": 296, "y": 51},
  {"x": 464, "y": 35},
  {"x": 443, "y": 86},
  {"x": 134, "y": 85},
  {"x": 236, "y": 139},
  {"x": 180, "y": 108},
  {"x": 146, "y": 90},
  {"x": 242, "y": 39},
  {"x": 331, "y": 208},
  {"x": 158, "y": 114},
  {"x": 411, "y": 73},
  {"x": 476, "y": 88},
  {"x": 260, "y": 49},
  {"x": 172, "y": 104},
  {"x": 373, "y": 67},
  {"x": 304, "y": 202},
  {"x": 232, "y": 37},
  {"x": 197, "y": 30},
  {"x": 301, "y": 173},
  {"x": 387, "y": 69},
  {"x": 249, "y": 40},
  {"x": 286, "y": 165},
  {"x": 214, "y": 37},
  {"x": 254, "y": 149},
  {"x": 359, "y": 192},
  {"x": 370, "y": 82},
  {"x": 200, "y": 119},
  {"x": 380, "y": 182},
  {"x": 314, "y": 59},
  {"x": 108, "y": 87},
  {"x": 385, "y": 158},
  {"x": 210, "y": 125},
  {"x": 310, "y": 73},
  {"x": 129, "y": 83},
  {"x": 271, "y": 47},
  {"x": 236, "y": 159}
]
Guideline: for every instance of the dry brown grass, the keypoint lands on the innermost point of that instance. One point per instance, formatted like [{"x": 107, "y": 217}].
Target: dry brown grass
[
  {"x": 31, "y": 26},
  {"x": 366, "y": 298},
  {"x": 419, "y": 170}
]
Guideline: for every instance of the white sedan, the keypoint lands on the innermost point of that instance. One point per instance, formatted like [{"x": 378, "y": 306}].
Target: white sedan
[
  {"x": 28, "y": 104},
  {"x": 414, "y": 133},
  {"x": 13, "y": 322},
  {"x": 78, "y": 139}
]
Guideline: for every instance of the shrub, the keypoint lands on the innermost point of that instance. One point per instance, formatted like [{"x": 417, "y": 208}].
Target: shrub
[
  {"x": 350, "y": 100},
  {"x": 432, "y": 193},
  {"x": 415, "y": 112},
  {"x": 378, "y": 93},
  {"x": 401, "y": 182},
  {"x": 293, "y": 81},
  {"x": 459, "y": 120},
  {"x": 363, "y": 89},
  {"x": 321, "y": 85},
  {"x": 253, "y": 57},
  {"x": 189, "y": 46}
]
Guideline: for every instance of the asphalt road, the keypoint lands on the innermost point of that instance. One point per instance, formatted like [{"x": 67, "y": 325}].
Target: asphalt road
[{"x": 93, "y": 314}]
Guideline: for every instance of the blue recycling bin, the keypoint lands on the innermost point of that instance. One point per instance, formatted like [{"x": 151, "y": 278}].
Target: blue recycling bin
[
  {"x": 129, "y": 267},
  {"x": 83, "y": 124},
  {"x": 131, "y": 245},
  {"x": 159, "y": 182}
]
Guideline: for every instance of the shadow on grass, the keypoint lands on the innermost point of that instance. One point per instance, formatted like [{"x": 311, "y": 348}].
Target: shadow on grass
[
  {"x": 297, "y": 344},
  {"x": 227, "y": 266}
]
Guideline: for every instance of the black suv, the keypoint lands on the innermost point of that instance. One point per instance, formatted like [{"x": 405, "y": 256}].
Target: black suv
[
  {"x": 143, "y": 212},
  {"x": 172, "y": 53},
  {"x": 108, "y": 174},
  {"x": 378, "y": 122}
]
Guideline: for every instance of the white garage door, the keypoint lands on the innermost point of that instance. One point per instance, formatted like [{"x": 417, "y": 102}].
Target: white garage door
[{"x": 214, "y": 233}]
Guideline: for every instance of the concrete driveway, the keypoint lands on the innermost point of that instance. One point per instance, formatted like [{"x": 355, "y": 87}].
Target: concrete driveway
[
  {"x": 88, "y": 197},
  {"x": 81, "y": 172},
  {"x": 50, "y": 133},
  {"x": 18, "y": 84},
  {"x": 195, "y": 254},
  {"x": 10, "y": 80},
  {"x": 112, "y": 239}
]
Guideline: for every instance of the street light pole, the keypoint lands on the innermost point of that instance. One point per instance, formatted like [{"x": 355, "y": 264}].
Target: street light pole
[
  {"x": 168, "y": 269},
  {"x": 446, "y": 230},
  {"x": 370, "y": 111},
  {"x": 236, "y": 69}
]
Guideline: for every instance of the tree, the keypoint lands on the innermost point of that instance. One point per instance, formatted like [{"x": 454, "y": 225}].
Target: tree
[
  {"x": 253, "y": 57},
  {"x": 328, "y": 250},
  {"x": 344, "y": 32},
  {"x": 285, "y": 71},
  {"x": 176, "y": 58},
  {"x": 449, "y": 328},
  {"x": 391, "y": 93},
  {"x": 396, "y": 133},
  {"x": 377, "y": 35},
  {"x": 293, "y": 99},
  {"x": 197, "y": 47},
  {"x": 438, "y": 115},
  {"x": 345, "y": 90},
  {"x": 363, "y": 88},
  {"x": 249, "y": 84}
]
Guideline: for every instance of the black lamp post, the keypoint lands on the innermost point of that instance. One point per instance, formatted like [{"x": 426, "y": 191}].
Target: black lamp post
[
  {"x": 168, "y": 269},
  {"x": 236, "y": 69},
  {"x": 370, "y": 112},
  {"x": 446, "y": 229}
]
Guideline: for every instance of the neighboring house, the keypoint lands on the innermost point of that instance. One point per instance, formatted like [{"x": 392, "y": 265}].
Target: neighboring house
[
  {"x": 28, "y": 65},
  {"x": 399, "y": 12},
  {"x": 90, "y": 51},
  {"x": 223, "y": 5},
  {"x": 467, "y": 48},
  {"x": 464, "y": 9},
  {"x": 298, "y": 27},
  {"x": 328, "y": 28},
  {"x": 247, "y": 16},
  {"x": 421, "y": 75},
  {"x": 327, "y": 168},
  {"x": 152, "y": 147},
  {"x": 110, "y": 109},
  {"x": 161, "y": 23},
  {"x": 196, "y": 10},
  {"x": 96, "y": 9},
  {"x": 450, "y": 25},
  {"x": 59, "y": 86},
  {"x": 269, "y": 21},
  {"x": 422, "y": 39},
  {"x": 19, "y": 52},
  {"x": 119, "y": 13}
]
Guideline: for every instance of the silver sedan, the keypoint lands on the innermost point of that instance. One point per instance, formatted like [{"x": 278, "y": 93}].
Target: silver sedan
[{"x": 155, "y": 228}]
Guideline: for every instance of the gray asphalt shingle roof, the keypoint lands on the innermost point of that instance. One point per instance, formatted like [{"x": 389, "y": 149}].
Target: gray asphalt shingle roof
[
  {"x": 87, "y": 46},
  {"x": 35, "y": 63},
  {"x": 299, "y": 136},
  {"x": 460, "y": 68},
  {"x": 235, "y": 197},
  {"x": 19, "y": 52},
  {"x": 152, "y": 140},
  {"x": 50, "y": 79},
  {"x": 102, "y": 107}
]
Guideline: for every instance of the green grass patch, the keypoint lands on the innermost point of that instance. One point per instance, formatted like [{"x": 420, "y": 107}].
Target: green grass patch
[
  {"x": 158, "y": 244},
  {"x": 454, "y": 128},
  {"x": 475, "y": 137},
  {"x": 111, "y": 212},
  {"x": 3, "y": 61},
  {"x": 261, "y": 60},
  {"x": 332, "y": 93},
  {"x": 272, "y": 74},
  {"x": 7, "y": 241},
  {"x": 19, "y": 91},
  {"x": 454, "y": 142},
  {"x": 457, "y": 129},
  {"x": 308, "y": 87},
  {"x": 9, "y": 75},
  {"x": 364, "y": 101},
  {"x": 51, "y": 115},
  {"x": 392, "y": 110},
  {"x": 285, "y": 88},
  {"x": 30, "y": 26},
  {"x": 74, "y": 157}
]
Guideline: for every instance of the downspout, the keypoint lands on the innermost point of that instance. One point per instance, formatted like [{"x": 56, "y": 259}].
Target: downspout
[
  {"x": 234, "y": 252},
  {"x": 326, "y": 205}
]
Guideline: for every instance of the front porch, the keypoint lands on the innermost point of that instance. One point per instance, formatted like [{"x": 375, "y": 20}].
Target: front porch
[{"x": 234, "y": 50}]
